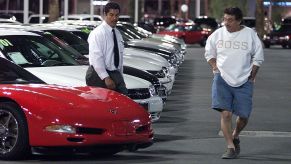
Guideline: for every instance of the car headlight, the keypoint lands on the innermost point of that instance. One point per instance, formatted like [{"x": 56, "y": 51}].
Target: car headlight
[
  {"x": 287, "y": 37},
  {"x": 166, "y": 71},
  {"x": 152, "y": 90},
  {"x": 60, "y": 129},
  {"x": 266, "y": 37}
]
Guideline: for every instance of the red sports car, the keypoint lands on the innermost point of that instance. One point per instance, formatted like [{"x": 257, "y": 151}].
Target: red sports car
[
  {"x": 36, "y": 117},
  {"x": 190, "y": 33}
]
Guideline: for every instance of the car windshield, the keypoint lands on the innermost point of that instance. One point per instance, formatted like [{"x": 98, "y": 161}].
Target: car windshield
[
  {"x": 81, "y": 34},
  {"x": 210, "y": 22},
  {"x": 36, "y": 19},
  {"x": 12, "y": 74},
  {"x": 249, "y": 23},
  {"x": 73, "y": 40},
  {"x": 66, "y": 48},
  {"x": 128, "y": 32},
  {"x": 285, "y": 29},
  {"x": 33, "y": 51},
  {"x": 134, "y": 30},
  {"x": 175, "y": 27}
]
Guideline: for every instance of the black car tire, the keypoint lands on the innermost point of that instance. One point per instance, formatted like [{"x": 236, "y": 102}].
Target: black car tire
[
  {"x": 13, "y": 132},
  {"x": 203, "y": 42}
]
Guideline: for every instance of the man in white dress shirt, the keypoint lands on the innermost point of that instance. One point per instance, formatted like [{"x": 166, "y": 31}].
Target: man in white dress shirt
[
  {"x": 106, "y": 53},
  {"x": 235, "y": 54}
]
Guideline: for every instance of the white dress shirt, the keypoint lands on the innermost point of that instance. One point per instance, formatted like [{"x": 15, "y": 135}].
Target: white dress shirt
[
  {"x": 101, "y": 53},
  {"x": 235, "y": 53}
]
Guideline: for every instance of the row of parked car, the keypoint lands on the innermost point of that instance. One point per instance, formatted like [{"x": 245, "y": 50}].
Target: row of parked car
[
  {"x": 44, "y": 93},
  {"x": 281, "y": 36}
]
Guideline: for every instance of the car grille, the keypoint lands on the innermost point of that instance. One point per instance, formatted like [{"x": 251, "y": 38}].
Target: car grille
[
  {"x": 143, "y": 129},
  {"x": 161, "y": 91},
  {"x": 83, "y": 130},
  {"x": 158, "y": 74},
  {"x": 141, "y": 93}
]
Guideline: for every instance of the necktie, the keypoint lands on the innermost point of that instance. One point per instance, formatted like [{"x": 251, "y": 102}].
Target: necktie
[{"x": 115, "y": 50}]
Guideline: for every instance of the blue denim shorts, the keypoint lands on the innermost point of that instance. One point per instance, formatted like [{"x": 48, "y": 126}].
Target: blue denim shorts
[{"x": 237, "y": 100}]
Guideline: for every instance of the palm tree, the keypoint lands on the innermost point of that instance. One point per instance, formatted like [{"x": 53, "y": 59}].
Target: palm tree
[
  {"x": 260, "y": 18},
  {"x": 53, "y": 10}
]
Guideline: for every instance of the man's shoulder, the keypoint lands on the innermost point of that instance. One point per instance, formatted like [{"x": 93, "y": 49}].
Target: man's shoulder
[
  {"x": 249, "y": 30},
  {"x": 216, "y": 32},
  {"x": 117, "y": 31},
  {"x": 98, "y": 30}
]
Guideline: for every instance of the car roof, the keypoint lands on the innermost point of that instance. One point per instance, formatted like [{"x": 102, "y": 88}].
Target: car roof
[
  {"x": 55, "y": 26},
  {"x": 7, "y": 32},
  {"x": 9, "y": 21},
  {"x": 79, "y": 23},
  {"x": 81, "y": 16}
]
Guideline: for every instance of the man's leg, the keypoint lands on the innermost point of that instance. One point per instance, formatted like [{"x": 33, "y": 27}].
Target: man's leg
[
  {"x": 226, "y": 127},
  {"x": 240, "y": 125}
]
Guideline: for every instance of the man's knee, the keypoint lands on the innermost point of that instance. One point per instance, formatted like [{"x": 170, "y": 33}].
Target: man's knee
[
  {"x": 226, "y": 115},
  {"x": 243, "y": 120}
]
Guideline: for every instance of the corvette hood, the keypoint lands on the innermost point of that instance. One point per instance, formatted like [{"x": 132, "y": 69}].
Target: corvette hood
[
  {"x": 63, "y": 94},
  {"x": 75, "y": 76},
  {"x": 53, "y": 101}
]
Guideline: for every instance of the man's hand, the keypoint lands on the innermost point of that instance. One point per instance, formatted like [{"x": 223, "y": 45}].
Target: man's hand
[
  {"x": 212, "y": 63},
  {"x": 110, "y": 83},
  {"x": 254, "y": 72}
]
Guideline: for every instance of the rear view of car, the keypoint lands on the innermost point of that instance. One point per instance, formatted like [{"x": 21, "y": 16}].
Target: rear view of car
[
  {"x": 279, "y": 37},
  {"x": 191, "y": 34}
]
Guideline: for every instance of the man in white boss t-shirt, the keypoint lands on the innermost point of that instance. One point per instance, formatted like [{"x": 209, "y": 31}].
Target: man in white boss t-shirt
[{"x": 235, "y": 54}]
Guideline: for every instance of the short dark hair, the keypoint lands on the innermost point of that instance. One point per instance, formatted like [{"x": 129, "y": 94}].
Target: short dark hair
[
  {"x": 234, "y": 11},
  {"x": 111, "y": 5}
]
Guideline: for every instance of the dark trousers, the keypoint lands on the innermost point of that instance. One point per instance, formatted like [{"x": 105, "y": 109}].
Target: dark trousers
[{"x": 92, "y": 79}]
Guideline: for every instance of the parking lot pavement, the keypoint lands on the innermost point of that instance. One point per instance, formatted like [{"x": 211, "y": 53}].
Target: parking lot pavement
[{"x": 188, "y": 131}]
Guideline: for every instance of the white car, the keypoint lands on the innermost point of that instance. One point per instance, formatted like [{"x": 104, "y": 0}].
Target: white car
[
  {"x": 162, "y": 73},
  {"x": 82, "y": 17},
  {"x": 147, "y": 54},
  {"x": 35, "y": 18},
  {"x": 45, "y": 60},
  {"x": 147, "y": 62},
  {"x": 9, "y": 21}
]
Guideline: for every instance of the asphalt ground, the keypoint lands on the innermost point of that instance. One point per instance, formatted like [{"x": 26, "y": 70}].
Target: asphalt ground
[{"x": 188, "y": 131}]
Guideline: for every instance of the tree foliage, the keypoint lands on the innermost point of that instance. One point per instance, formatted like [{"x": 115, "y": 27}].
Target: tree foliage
[
  {"x": 260, "y": 16},
  {"x": 217, "y": 6}
]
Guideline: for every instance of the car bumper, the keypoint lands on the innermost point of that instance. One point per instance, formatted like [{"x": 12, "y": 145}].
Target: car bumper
[
  {"x": 154, "y": 105},
  {"x": 168, "y": 83},
  {"x": 278, "y": 41}
]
